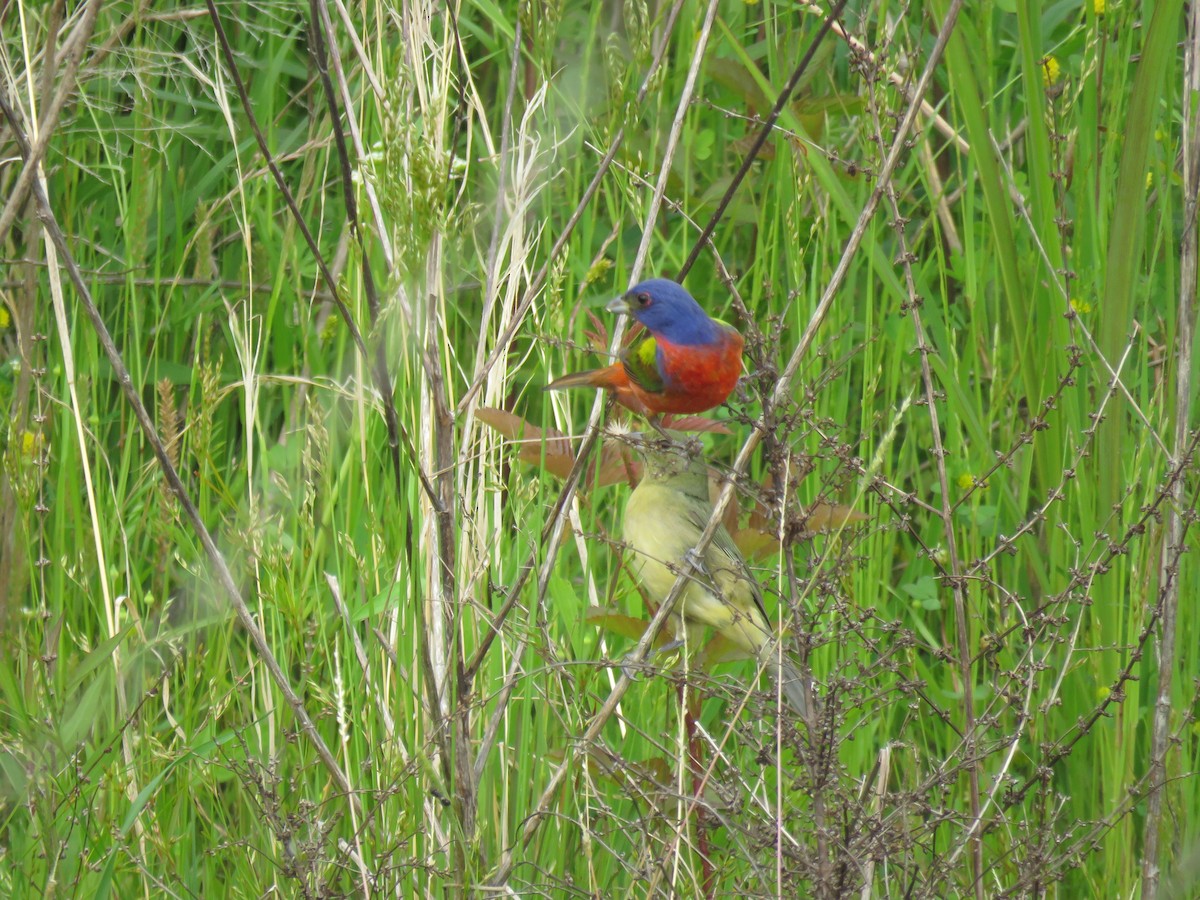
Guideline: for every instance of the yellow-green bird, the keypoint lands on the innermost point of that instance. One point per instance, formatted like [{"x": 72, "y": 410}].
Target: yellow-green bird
[{"x": 664, "y": 518}]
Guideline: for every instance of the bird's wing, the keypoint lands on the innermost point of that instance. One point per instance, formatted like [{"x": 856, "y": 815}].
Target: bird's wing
[
  {"x": 641, "y": 365},
  {"x": 728, "y": 575}
]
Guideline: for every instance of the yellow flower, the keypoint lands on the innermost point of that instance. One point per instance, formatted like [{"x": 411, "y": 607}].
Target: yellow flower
[
  {"x": 4, "y": 318},
  {"x": 29, "y": 443},
  {"x": 1098, "y": 7},
  {"x": 1051, "y": 70},
  {"x": 966, "y": 481},
  {"x": 1103, "y": 692},
  {"x": 1080, "y": 306}
]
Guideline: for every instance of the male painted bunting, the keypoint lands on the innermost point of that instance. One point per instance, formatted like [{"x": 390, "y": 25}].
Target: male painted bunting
[
  {"x": 688, "y": 363},
  {"x": 664, "y": 518}
]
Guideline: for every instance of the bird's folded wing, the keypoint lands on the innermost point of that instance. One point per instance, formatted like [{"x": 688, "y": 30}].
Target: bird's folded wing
[{"x": 641, "y": 365}]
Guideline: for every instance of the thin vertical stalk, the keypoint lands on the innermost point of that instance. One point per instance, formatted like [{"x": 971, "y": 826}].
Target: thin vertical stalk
[{"x": 1173, "y": 529}]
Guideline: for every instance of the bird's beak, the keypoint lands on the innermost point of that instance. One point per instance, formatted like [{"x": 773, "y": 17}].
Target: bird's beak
[{"x": 620, "y": 305}]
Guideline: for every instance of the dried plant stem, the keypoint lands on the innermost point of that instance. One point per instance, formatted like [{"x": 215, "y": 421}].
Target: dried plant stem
[
  {"x": 784, "y": 384},
  {"x": 955, "y": 580},
  {"x": 782, "y": 389},
  {"x": 900, "y": 81},
  {"x": 75, "y": 44},
  {"x": 335, "y": 62},
  {"x": 761, "y": 138},
  {"x": 1173, "y": 529},
  {"x": 504, "y": 696},
  {"x": 1057, "y": 751}
]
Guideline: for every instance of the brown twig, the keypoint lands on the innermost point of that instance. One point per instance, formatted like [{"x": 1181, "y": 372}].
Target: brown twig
[
  {"x": 1059, "y": 750},
  {"x": 491, "y": 733},
  {"x": 761, "y": 138},
  {"x": 1168, "y": 602},
  {"x": 78, "y": 41},
  {"x": 954, "y": 579}
]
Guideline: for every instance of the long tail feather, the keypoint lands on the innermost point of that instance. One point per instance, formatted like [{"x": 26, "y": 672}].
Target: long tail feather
[
  {"x": 795, "y": 688},
  {"x": 610, "y": 377}
]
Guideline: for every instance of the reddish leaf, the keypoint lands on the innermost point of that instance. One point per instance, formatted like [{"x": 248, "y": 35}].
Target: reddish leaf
[
  {"x": 831, "y": 516},
  {"x": 508, "y": 424},
  {"x": 555, "y": 452},
  {"x": 598, "y": 338},
  {"x": 617, "y": 464},
  {"x": 718, "y": 650},
  {"x": 658, "y": 770},
  {"x": 653, "y": 776},
  {"x": 755, "y": 544},
  {"x": 735, "y": 76},
  {"x": 819, "y": 517},
  {"x": 620, "y": 623},
  {"x": 559, "y": 451}
]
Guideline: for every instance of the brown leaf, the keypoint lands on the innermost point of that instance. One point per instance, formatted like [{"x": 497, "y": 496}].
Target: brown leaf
[
  {"x": 633, "y": 334},
  {"x": 554, "y": 452},
  {"x": 718, "y": 650},
  {"x": 559, "y": 451},
  {"x": 598, "y": 337},
  {"x": 755, "y": 543},
  {"x": 508, "y": 424},
  {"x": 831, "y": 516},
  {"x": 735, "y": 76},
  {"x": 622, "y": 624},
  {"x": 742, "y": 146},
  {"x": 820, "y": 516},
  {"x": 653, "y": 776},
  {"x": 618, "y": 462}
]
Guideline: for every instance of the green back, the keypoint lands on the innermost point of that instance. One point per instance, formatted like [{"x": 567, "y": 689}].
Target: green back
[{"x": 641, "y": 365}]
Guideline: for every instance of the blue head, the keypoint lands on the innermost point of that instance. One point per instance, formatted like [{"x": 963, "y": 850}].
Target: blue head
[{"x": 668, "y": 311}]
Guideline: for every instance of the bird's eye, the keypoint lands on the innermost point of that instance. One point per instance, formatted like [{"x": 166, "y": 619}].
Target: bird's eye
[{"x": 643, "y": 299}]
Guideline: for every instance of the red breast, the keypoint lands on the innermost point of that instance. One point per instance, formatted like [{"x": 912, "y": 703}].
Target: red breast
[{"x": 696, "y": 378}]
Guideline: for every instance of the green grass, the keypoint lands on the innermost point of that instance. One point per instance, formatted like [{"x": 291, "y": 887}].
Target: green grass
[{"x": 145, "y": 749}]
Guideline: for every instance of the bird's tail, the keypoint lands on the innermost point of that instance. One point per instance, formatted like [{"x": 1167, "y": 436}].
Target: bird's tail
[
  {"x": 795, "y": 688},
  {"x": 610, "y": 377}
]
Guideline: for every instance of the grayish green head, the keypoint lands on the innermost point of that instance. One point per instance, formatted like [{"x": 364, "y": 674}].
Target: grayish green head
[{"x": 682, "y": 462}]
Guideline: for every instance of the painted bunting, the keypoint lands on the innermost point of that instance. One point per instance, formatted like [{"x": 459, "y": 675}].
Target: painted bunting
[
  {"x": 664, "y": 518},
  {"x": 688, "y": 363}
]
